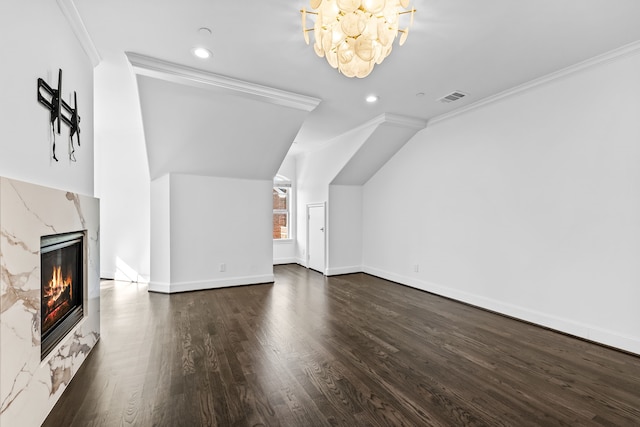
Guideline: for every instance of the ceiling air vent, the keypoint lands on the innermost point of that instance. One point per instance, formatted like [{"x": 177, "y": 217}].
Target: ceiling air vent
[{"x": 453, "y": 96}]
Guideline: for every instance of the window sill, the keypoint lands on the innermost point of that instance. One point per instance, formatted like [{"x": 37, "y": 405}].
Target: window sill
[{"x": 283, "y": 241}]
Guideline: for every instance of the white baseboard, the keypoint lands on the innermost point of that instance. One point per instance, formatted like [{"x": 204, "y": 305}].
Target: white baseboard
[
  {"x": 568, "y": 326},
  {"x": 302, "y": 262},
  {"x": 280, "y": 261},
  {"x": 336, "y": 271},
  {"x": 116, "y": 275},
  {"x": 170, "y": 288}
]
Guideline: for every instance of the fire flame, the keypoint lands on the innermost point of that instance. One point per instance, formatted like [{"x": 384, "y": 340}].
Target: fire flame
[{"x": 57, "y": 286}]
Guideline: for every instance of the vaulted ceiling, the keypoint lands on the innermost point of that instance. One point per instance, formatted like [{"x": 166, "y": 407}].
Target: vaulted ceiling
[
  {"x": 480, "y": 48},
  {"x": 202, "y": 124}
]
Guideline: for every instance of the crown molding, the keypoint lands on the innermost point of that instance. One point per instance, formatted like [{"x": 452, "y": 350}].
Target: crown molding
[
  {"x": 392, "y": 119},
  {"x": 70, "y": 12},
  {"x": 402, "y": 121},
  {"x": 613, "y": 55},
  {"x": 168, "y": 71}
]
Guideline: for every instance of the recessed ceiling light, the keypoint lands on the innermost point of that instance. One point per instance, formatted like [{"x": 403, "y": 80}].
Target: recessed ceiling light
[
  {"x": 201, "y": 52},
  {"x": 204, "y": 31},
  {"x": 420, "y": 94},
  {"x": 371, "y": 98}
]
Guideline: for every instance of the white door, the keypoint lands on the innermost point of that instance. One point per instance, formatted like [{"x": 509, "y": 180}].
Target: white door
[{"x": 315, "y": 237}]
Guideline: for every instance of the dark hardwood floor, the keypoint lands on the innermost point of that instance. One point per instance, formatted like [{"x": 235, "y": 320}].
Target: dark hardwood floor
[{"x": 351, "y": 350}]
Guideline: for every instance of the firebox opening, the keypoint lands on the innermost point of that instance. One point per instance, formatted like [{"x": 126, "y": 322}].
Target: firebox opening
[{"x": 61, "y": 287}]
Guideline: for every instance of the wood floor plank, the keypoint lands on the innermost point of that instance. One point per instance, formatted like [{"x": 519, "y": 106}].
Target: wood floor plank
[{"x": 352, "y": 350}]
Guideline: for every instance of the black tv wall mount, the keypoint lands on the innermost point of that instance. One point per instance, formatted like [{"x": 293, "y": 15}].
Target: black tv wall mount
[{"x": 61, "y": 112}]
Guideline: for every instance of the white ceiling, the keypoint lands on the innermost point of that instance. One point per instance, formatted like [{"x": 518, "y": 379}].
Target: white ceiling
[
  {"x": 211, "y": 132},
  {"x": 478, "y": 47}
]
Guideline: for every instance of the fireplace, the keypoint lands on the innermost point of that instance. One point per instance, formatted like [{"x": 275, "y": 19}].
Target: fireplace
[{"x": 62, "y": 285}]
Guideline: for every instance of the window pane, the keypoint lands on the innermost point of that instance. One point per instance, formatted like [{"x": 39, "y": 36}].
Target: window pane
[
  {"x": 281, "y": 212},
  {"x": 280, "y": 198},
  {"x": 280, "y": 226}
]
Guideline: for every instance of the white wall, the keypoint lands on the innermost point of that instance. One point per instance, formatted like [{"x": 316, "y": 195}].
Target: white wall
[
  {"x": 344, "y": 224},
  {"x": 529, "y": 206},
  {"x": 334, "y": 173},
  {"x": 122, "y": 172},
  {"x": 36, "y": 40},
  {"x": 161, "y": 230},
  {"x": 284, "y": 251},
  {"x": 315, "y": 170},
  {"x": 215, "y": 221}
]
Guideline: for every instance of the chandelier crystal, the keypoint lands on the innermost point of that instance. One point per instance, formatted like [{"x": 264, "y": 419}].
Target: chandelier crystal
[{"x": 354, "y": 35}]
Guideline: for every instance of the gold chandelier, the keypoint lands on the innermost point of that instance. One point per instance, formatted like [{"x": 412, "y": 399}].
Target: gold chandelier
[{"x": 354, "y": 35}]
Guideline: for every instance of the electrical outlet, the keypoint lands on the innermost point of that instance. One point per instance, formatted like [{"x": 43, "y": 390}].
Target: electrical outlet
[
  {"x": 223, "y": 267},
  {"x": 416, "y": 268}
]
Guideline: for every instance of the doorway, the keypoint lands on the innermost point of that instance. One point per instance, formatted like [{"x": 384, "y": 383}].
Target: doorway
[{"x": 316, "y": 237}]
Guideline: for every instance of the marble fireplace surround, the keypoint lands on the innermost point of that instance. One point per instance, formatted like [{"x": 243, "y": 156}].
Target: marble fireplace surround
[{"x": 29, "y": 387}]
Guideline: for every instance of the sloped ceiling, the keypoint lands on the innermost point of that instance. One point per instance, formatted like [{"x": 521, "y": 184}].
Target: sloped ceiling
[
  {"x": 202, "y": 124},
  {"x": 390, "y": 133},
  {"x": 479, "y": 47}
]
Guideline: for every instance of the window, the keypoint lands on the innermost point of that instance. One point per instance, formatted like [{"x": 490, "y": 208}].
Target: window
[{"x": 281, "y": 210}]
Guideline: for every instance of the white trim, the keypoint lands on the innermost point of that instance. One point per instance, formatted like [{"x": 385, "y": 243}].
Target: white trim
[
  {"x": 578, "y": 329},
  {"x": 170, "y": 288},
  {"x": 160, "y": 287},
  {"x": 287, "y": 212},
  {"x": 336, "y": 271},
  {"x": 388, "y": 118},
  {"x": 626, "y": 50},
  {"x": 70, "y": 12},
  {"x": 402, "y": 121},
  {"x": 107, "y": 275},
  {"x": 112, "y": 275},
  {"x": 289, "y": 260},
  {"x": 324, "y": 206},
  {"x": 288, "y": 241},
  {"x": 176, "y": 73}
]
